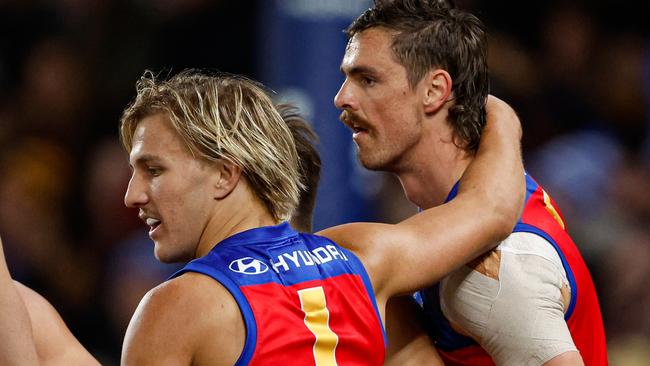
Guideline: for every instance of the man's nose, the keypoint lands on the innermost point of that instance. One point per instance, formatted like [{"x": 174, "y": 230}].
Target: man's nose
[
  {"x": 135, "y": 196},
  {"x": 344, "y": 99}
]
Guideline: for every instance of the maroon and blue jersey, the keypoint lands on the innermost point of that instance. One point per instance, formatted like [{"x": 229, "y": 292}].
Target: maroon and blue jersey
[
  {"x": 304, "y": 299},
  {"x": 583, "y": 316}
]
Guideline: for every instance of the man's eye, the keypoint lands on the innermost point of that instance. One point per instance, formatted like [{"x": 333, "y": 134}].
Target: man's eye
[
  {"x": 368, "y": 81},
  {"x": 154, "y": 171}
]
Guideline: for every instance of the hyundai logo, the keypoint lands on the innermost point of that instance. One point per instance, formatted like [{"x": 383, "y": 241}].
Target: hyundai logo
[{"x": 248, "y": 265}]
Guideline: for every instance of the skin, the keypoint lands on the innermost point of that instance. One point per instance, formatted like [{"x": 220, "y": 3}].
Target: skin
[
  {"x": 386, "y": 97},
  {"x": 397, "y": 128},
  {"x": 404, "y": 130},
  {"x": 170, "y": 186},
  {"x": 53, "y": 340},
  {"x": 16, "y": 337},
  {"x": 194, "y": 320},
  {"x": 413, "y": 344}
]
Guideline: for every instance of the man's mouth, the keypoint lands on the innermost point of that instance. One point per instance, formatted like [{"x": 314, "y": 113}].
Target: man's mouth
[
  {"x": 152, "y": 223},
  {"x": 357, "y": 128},
  {"x": 358, "y": 131}
]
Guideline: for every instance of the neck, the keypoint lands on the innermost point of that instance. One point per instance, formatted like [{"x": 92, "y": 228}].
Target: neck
[
  {"x": 433, "y": 169},
  {"x": 241, "y": 210}
]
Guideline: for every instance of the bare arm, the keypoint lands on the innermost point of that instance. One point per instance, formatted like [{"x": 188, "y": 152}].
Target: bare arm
[
  {"x": 15, "y": 327},
  {"x": 424, "y": 248},
  {"x": 55, "y": 343},
  {"x": 190, "y": 320},
  {"x": 408, "y": 342}
]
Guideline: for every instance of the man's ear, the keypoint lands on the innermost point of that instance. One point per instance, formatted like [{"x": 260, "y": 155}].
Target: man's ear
[
  {"x": 437, "y": 90},
  {"x": 229, "y": 175}
]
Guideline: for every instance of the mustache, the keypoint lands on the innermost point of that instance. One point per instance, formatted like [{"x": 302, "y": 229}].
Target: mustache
[
  {"x": 351, "y": 119},
  {"x": 143, "y": 215}
]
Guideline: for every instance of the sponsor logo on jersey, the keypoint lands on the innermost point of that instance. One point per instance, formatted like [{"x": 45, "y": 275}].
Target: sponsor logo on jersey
[
  {"x": 299, "y": 258},
  {"x": 248, "y": 265},
  {"x": 286, "y": 261}
]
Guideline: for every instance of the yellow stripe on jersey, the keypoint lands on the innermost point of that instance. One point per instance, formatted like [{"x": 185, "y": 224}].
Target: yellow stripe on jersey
[
  {"x": 552, "y": 210},
  {"x": 313, "y": 304}
]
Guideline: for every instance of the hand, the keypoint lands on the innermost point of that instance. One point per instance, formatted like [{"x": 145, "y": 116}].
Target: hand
[{"x": 501, "y": 116}]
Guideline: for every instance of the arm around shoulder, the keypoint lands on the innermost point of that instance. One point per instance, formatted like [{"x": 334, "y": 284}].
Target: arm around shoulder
[
  {"x": 426, "y": 247},
  {"x": 189, "y": 320},
  {"x": 497, "y": 174}
]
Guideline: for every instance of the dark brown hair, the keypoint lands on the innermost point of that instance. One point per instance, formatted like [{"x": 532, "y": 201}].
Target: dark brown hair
[
  {"x": 435, "y": 34},
  {"x": 309, "y": 164}
]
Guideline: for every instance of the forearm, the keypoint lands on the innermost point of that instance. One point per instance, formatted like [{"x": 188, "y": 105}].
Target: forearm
[
  {"x": 15, "y": 327},
  {"x": 491, "y": 192},
  {"x": 494, "y": 184},
  {"x": 426, "y": 247}
]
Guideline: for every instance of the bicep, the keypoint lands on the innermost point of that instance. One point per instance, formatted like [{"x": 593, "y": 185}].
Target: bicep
[
  {"x": 417, "y": 252},
  {"x": 430, "y": 245}
]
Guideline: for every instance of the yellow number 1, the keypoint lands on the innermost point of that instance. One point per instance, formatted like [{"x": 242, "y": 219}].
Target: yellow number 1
[{"x": 313, "y": 304}]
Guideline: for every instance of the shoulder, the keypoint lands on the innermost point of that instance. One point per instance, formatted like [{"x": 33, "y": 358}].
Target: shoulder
[
  {"x": 187, "y": 291},
  {"x": 531, "y": 244},
  {"x": 518, "y": 243},
  {"x": 176, "y": 320}
]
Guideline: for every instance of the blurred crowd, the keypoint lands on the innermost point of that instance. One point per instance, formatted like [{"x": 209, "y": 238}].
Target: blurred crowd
[{"x": 577, "y": 72}]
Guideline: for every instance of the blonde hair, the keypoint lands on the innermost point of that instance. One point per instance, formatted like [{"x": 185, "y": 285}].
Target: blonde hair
[{"x": 224, "y": 116}]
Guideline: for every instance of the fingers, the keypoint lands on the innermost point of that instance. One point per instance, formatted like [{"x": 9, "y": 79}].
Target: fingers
[{"x": 501, "y": 115}]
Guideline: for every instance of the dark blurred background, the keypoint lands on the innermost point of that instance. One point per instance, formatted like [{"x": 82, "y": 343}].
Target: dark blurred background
[{"x": 578, "y": 73}]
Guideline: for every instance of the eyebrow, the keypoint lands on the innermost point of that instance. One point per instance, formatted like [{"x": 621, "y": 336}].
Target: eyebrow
[
  {"x": 145, "y": 158},
  {"x": 356, "y": 70}
]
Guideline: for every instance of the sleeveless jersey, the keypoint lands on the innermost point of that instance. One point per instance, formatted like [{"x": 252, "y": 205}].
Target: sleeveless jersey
[
  {"x": 304, "y": 299},
  {"x": 583, "y": 316}
]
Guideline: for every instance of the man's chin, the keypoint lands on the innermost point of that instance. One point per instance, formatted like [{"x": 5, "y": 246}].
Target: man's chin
[
  {"x": 166, "y": 257},
  {"x": 369, "y": 163}
]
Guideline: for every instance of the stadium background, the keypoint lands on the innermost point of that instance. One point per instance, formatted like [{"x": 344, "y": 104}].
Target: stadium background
[{"x": 577, "y": 72}]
